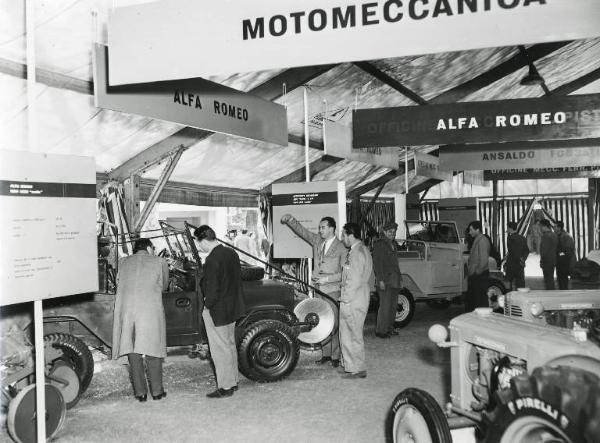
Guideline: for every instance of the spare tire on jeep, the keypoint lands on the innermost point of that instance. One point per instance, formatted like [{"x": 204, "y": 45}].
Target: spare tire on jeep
[{"x": 556, "y": 403}]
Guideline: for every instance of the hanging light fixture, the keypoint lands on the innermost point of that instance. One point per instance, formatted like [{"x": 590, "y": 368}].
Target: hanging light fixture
[{"x": 533, "y": 78}]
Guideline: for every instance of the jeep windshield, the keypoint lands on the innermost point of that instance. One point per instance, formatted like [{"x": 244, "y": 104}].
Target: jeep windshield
[{"x": 432, "y": 231}]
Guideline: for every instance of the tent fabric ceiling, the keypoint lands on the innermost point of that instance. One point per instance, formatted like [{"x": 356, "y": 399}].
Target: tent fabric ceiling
[{"x": 69, "y": 123}]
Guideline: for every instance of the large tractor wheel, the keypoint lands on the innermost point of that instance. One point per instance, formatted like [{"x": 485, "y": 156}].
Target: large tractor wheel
[
  {"x": 552, "y": 404},
  {"x": 405, "y": 309},
  {"x": 416, "y": 417},
  {"x": 22, "y": 414},
  {"x": 75, "y": 353},
  {"x": 268, "y": 351}
]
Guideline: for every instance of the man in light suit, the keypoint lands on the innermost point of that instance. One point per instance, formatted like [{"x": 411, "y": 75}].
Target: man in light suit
[
  {"x": 329, "y": 255},
  {"x": 354, "y": 302}
]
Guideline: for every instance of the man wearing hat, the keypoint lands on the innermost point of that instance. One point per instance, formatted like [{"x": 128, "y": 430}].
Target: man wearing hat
[{"x": 389, "y": 279}]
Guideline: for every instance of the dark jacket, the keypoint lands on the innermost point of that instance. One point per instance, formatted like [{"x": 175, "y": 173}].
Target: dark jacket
[
  {"x": 385, "y": 263},
  {"x": 548, "y": 247},
  {"x": 222, "y": 286},
  {"x": 517, "y": 250}
]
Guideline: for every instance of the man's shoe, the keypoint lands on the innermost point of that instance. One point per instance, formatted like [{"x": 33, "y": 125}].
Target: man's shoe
[
  {"x": 163, "y": 394},
  {"x": 359, "y": 374},
  {"x": 335, "y": 362},
  {"x": 221, "y": 393},
  {"x": 141, "y": 398},
  {"x": 377, "y": 334},
  {"x": 323, "y": 360},
  {"x": 235, "y": 388},
  {"x": 395, "y": 332}
]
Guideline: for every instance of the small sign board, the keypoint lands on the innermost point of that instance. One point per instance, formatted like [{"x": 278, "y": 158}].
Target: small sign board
[
  {"x": 429, "y": 166},
  {"x": 546, "y": 118},
  {"x": 194, "y": 102},
  {"x": 308, "y": 203},
  {"x": 48, "y": 245},
  {"x": 519, "y": 155}
]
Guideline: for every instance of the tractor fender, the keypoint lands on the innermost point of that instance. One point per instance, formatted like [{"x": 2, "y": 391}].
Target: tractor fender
[{"x": 584, "y": 362}]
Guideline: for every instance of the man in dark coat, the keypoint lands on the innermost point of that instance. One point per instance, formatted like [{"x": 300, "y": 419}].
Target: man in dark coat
[
  {"x": 565, "y": 258},
  {"x": 223, "y": 305},
  {"x": 389, "y": 279},
  {"x": 516, "y": 257},
  {"x": 548, "y": 248},
  {"x": 478, "y": 268}
]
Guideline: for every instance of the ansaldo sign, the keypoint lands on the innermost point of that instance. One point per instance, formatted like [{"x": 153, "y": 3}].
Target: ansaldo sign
[
  {"x": 520, "y": 155},
  {"x": 194, "y": 102},
  {"x": 175, "y": 39},
  {"x": 548, "y": 118}
]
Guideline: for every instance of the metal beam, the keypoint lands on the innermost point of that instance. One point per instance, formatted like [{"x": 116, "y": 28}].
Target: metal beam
[
  {"x": 360, "y": 190},
  {"x": 47, "y": 78},
  {"x": 498, "y": 72},
  {"x": 577, "y": 84},
  {"x": 158, "y": 187},
  {"x": 391, "y": 82}
]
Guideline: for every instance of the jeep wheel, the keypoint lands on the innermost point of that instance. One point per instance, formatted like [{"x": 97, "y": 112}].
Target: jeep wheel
[
  {"x": 493, "y": 291},
  {"x": 75, "y": 353},
  {"x": 416, "y": 417},
  {"x": 268, "y": 351},
  {"x": 552, "y": 404},
  {"x": 405, "y": 310}
]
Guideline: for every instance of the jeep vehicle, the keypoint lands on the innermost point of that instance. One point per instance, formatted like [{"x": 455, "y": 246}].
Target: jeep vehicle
[
  {"x": 433, "y": 264},
  {"x": 516, "y": 378},
  {"x": 267, "y": 335}
]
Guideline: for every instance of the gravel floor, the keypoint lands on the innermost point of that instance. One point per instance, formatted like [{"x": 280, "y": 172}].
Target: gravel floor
[{"x": 312, "y": 405}]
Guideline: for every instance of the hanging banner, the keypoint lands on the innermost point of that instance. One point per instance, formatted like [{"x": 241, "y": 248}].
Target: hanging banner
[
  {"x": 338, "y": 142},
  {"x": 308, "y": 203},
  {"x": 543, "y": 173},
  {"x": 519, "y": 155},
  {"x": 176, "y": 39},
  {"x": 429, "y": 166},
  {"x": 48, "y": 245},
  {"x": 547, "y": 118},
  {"x": 194, "y": 102}
]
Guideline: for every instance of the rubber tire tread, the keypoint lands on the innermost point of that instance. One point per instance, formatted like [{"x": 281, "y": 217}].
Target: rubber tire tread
[
  {"x": 247, "y": 337},
  {"x": 573, "y": 391},
  {"x": 412, "y": 307},
  {"x": 77, "y": 353},
  {"x": 437, "y": 424},
  {"x": 252, "y": 273}
]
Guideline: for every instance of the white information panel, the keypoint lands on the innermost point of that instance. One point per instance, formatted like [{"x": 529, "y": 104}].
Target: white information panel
[
  {"x": 308, "y": 203},
  {"x": 48, "y": 242}
]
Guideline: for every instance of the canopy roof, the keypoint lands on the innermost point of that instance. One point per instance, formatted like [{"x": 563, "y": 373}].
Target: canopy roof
[{"x": 69, "y": 123}]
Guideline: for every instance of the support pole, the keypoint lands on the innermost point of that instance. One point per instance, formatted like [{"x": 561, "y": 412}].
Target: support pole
[
  {"x": 158, "y": 187},
  {"x": 40, "y": 376},
  {"x": 406, "y": 149},
  {"x": 131, "y": 189},
  {"x": 495, "y": 214},
  {"x": 307, "y": 166}
]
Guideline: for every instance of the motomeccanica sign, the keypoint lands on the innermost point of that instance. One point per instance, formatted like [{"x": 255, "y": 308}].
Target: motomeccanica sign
[{"x": 239, "y": 36}]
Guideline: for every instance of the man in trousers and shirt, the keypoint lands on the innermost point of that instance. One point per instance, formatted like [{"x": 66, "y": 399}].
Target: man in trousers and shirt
[
  {"x": 354, "y": 302},
  {"x": 389, "y": 279},
  {"x": 478, "y": 268},
  {"x": 223, "y": 305},
  {"x": 565, "y": 255},
  {"x": 548, "y": 248},
  {"x": 517, "y": 253},
  {"x": 139, "y": 326},
  {"x": 329, "y": 255}
]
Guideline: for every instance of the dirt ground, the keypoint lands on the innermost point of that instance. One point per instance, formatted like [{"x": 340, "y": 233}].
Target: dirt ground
[{"x": 314, "y": 404}]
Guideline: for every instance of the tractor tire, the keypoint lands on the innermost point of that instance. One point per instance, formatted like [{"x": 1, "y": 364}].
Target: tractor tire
[
  {"x": 268, "y": 351},
  {"x": 553, "y": 403},
  {"x": 493, "y": 291},
  {"x": 76, "y": 354},
  {"x": 405, "y": 310},
  {"x": 415, "y": 416},
  {"x": 252, "y": 273}
]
